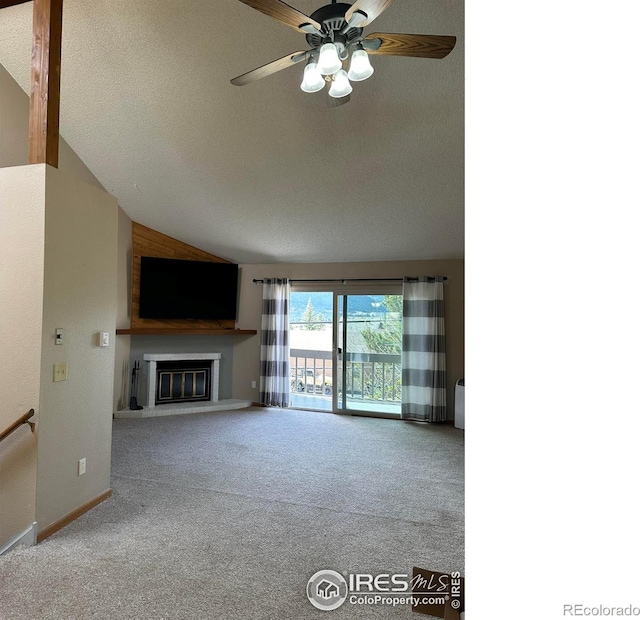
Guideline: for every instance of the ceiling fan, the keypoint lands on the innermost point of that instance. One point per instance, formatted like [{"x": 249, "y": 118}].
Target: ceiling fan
[{"x": 335, "y": 33}]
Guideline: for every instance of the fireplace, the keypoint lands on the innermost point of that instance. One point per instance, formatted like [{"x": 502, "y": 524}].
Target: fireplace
[
  {"x": 182, "y": 377},
  {"x": 183, "y": 382}
]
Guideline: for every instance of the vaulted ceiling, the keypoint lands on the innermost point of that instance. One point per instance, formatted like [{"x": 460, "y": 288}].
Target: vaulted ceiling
[{"x": 263, "y": 172}]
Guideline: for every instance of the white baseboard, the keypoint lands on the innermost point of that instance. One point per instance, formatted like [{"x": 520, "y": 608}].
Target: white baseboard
[{"x": 26, "y": 539}]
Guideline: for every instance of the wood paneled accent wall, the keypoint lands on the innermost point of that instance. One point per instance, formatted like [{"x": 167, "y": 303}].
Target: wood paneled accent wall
[{"x": 148, "y": 242}]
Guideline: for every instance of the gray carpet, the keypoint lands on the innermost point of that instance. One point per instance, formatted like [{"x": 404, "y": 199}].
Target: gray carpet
[{"x": 226, "y": 515}]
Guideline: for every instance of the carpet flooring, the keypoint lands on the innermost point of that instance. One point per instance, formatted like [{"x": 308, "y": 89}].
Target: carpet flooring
[{"x": 226, "y": 515}]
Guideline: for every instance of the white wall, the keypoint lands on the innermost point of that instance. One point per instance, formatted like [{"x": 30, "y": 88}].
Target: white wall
[{"x": 22, "y": 205}]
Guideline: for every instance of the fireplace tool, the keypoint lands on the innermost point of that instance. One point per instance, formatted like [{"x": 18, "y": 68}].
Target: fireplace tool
[{"x": 133, "y": 402}]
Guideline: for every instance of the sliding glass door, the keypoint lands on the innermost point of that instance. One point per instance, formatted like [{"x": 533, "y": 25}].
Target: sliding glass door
[
  {"x": 368, "y": 333},
  {"x": 312, "y": 349},
  {"x": 346, "y": 347}
]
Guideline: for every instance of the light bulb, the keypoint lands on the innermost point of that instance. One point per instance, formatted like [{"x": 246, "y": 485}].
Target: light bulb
[
  {"x": 360, "y": 67},
  {"x": 329, "y": 61},
  {"x": 312, "y": 80},
  {"x": 340, "y": 86}
]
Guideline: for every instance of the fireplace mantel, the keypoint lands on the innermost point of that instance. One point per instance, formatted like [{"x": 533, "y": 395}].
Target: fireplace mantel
[{"x": 183, "y": 331}]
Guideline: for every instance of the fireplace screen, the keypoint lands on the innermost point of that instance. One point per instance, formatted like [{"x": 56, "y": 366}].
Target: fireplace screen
[{"x": 183, "y": 382}]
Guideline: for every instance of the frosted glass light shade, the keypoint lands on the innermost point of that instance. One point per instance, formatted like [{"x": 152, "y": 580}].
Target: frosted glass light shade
[
  {"x": 312, "y": 80},
  {"x": 340, "y": 86},
  {"x": 329, "y": 61},
  {"x": 360, "y": 67}
]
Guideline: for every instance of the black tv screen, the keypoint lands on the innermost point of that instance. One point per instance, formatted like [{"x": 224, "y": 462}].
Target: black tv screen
[{"x": 187, "y": 289}]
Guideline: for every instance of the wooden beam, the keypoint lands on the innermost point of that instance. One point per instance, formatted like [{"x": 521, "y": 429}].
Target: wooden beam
[{"x": 44, "y": 109}]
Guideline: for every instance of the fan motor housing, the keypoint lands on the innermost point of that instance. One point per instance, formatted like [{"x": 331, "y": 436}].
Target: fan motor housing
[{"x": 332, "y": 19}]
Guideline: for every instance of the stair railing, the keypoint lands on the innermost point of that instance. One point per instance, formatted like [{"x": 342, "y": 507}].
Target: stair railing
[{"x": 18, "y": 423}]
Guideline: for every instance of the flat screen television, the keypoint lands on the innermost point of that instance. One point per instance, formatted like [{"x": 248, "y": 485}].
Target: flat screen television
[{"x": 187, "y": 289}]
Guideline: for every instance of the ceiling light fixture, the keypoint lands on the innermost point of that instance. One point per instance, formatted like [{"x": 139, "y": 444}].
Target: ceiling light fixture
[
  {"x": 329, "y": 64},
  {"x": 340, "y": 86},
  {"x": 329, "y": 61},
  {"x": 312, "y": 80},
  {"x": 360, "y": 67},
  {"x": 335, "y": 35}
]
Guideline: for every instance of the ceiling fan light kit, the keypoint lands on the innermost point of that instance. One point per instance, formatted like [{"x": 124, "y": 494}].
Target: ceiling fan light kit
[
  {"x": 312, "y": 80},
  {"x": 329, "y": 62},
  {"x": 360, "y": 67},
  {"x": 340, "y": 86},
  {"x": 334, "y": 32}
]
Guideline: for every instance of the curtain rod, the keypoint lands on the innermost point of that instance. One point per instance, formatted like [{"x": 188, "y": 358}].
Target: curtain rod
[{"x": 345, "y": 280}]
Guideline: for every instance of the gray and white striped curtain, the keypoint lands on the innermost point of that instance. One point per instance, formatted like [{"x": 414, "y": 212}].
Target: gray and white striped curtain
[
  {"x": 424, "y": 381},
  {"x": 274, "y": 345}
]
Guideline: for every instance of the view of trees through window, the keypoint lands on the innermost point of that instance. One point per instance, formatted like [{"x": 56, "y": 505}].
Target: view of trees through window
[{"x": 374, "y": 331}]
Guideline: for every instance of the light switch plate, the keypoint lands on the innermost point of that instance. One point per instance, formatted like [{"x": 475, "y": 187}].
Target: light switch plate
[{"x": 60, "y": 372}]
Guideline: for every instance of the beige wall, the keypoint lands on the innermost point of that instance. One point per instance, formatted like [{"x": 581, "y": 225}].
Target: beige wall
[
  {"x": 80, "y": 297},
  {"x": 66, "y": 229},
  {"x": 14, "y": 133},
  {"x": 22, "y": 206},
  {"x": 59, "y": 242},
  {"x": 247, "y": 350}
]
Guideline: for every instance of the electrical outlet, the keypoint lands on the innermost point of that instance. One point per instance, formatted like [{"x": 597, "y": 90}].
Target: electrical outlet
[
  {"x": 82, "y": 466},
  {"x": 253, "y": 384},
  {"x": 60, "y": 371}
]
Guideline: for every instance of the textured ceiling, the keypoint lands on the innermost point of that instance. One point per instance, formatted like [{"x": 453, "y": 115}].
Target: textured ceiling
[{"x": 264, "y": 172}]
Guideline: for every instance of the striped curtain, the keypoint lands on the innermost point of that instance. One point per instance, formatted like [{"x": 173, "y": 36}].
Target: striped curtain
[
  {"x": 424, "y": 387},
  {"x": 274, "y": 345}
]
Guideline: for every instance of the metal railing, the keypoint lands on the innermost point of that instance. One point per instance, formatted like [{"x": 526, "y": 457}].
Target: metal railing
[
  {"x": 374, "y": 376},
  {"x": 311, "y": 371},
  {"x": 18, "y": 423},
  {"x": 368, "y": 376}
]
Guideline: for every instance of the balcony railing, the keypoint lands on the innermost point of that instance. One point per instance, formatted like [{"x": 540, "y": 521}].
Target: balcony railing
[
  {"x": 311, "y": 371},
  {"x": 369, "y": 376},
  {"x": 374, "y": 376}
]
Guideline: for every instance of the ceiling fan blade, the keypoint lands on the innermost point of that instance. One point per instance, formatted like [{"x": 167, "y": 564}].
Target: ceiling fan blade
[
  {"x": 417, "y": 45},
  {"x": 371, "y": 8},
  {"x": 283, "y": 13},
  {"x": 272, "y": 67}
]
